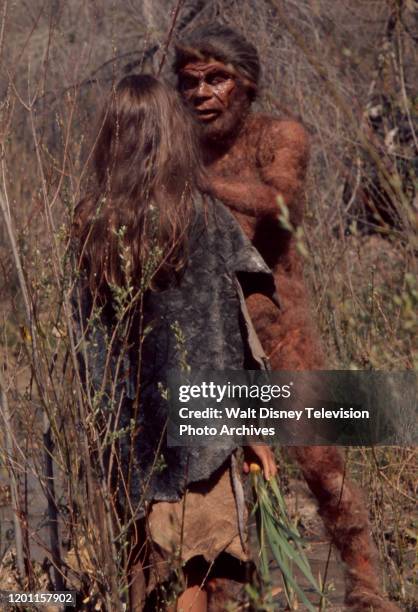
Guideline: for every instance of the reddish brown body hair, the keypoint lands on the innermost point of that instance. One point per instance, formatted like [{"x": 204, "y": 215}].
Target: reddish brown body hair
[{"x": 253, "y": 168}]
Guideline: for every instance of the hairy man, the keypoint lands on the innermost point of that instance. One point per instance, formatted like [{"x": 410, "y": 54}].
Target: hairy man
[{"x": 257, "y": 164}]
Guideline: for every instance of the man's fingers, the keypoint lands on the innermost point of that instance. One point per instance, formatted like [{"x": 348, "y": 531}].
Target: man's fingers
[
  {"x": 267, "y": 469},
  {"x": 264, "y": 457}
]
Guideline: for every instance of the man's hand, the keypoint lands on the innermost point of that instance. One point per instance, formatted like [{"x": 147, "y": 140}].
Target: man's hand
[{"x": 264, "y": 456}]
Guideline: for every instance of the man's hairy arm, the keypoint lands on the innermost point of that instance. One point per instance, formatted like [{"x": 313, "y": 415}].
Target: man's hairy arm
[{"x": 282, "y": 158}]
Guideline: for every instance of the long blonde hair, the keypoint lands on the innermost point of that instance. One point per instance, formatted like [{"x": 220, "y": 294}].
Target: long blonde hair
[{"x": 147, "y": 165}]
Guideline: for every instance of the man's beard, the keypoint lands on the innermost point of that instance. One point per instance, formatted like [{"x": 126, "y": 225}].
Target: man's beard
[
  {"x": 225, "y": 127},
  {"x": 222, "y": 128}
]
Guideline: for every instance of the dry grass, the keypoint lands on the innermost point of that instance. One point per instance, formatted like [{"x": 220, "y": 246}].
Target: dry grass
[{"x": 325, "y": 61}]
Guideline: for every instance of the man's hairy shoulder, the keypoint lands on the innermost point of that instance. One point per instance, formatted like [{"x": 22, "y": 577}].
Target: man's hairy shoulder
[{"x": 278, "y": 134}]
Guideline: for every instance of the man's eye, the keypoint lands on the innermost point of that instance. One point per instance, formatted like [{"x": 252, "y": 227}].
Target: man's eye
[
  {"x": 189, "y": 83},
  {"x": 216, "y": 79}
]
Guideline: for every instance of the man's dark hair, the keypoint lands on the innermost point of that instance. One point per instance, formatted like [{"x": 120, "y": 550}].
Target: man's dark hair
[{"x": 223, "y": 44}]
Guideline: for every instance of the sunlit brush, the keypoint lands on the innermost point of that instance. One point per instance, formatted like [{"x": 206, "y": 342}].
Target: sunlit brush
[{"x": 275, "y": 531}]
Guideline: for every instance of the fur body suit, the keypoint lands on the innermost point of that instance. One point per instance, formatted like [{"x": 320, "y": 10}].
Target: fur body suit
[{"x": 259, "y": 176}]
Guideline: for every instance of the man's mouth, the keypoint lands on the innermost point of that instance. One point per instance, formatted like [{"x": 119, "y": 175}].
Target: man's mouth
[{"x": 207, "y": 114}]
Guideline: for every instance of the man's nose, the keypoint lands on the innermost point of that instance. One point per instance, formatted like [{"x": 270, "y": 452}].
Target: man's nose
[{"x": 202, "y": 92}]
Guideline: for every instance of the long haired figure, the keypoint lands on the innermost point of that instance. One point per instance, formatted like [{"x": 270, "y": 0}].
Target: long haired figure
[
  {"x": 146, "y": 173},
  {"x": 158, "y": 291}
]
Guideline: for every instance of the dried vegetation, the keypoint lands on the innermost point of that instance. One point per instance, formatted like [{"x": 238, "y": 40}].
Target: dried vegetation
[{"x": 347, "y": 69}]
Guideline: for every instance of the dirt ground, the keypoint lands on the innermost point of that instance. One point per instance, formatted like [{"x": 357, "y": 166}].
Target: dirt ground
[{"x": 300, "y": 504}]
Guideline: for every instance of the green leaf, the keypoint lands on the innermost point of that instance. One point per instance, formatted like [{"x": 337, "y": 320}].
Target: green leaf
[{"x": 275, "y": 528}]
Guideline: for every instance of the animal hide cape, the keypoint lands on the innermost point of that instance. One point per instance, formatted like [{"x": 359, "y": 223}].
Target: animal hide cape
[{"x": 197, "y": 322}]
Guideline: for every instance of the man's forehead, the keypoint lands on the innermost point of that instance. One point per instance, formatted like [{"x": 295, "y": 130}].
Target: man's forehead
[{"x": 209, "y": 65}]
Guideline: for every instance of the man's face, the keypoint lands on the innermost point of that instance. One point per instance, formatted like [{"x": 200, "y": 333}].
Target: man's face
[{"x": 216, "y": 97}]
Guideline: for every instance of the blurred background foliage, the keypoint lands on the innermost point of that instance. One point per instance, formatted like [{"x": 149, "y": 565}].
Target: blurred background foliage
[{"x": 348, "y": 70}]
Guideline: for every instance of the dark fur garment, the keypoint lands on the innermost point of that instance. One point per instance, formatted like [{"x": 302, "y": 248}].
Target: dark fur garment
[{"x": 196, "y": 319}]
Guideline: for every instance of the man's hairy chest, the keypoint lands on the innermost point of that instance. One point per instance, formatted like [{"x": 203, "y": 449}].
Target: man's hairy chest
[
  {"x": 238, "y": 162},
  {"x": 245, "y": 156}
]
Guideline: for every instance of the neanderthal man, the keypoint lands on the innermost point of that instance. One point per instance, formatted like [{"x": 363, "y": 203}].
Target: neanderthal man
[{"x": 255, "y": 162}]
